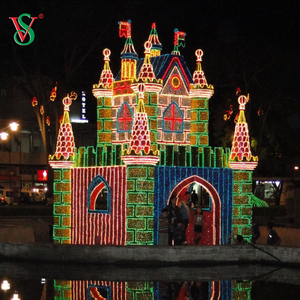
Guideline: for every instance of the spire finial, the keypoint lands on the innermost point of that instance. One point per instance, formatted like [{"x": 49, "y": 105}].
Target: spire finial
[
  {"x": 67, "y": 101},
  {"x": 199, "y": 54},
  {"x": 147, "y": 46},
  {"x": 106, "y": 53}
]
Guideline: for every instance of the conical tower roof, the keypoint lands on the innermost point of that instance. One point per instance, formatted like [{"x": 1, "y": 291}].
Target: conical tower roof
[
  {"x": 65, "y": 145},
  {"x": 241, "y": 156},
  {"x": 156, "y": 44},
  {"x": 106, "y": 78},
  {"x": 198, "y": 76},
  {"x": 147, "y": 68},
  {"x": 139, "y": 151}
]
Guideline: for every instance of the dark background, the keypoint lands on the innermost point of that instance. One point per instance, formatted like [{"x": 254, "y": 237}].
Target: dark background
[{"x": 246, "y": 44}]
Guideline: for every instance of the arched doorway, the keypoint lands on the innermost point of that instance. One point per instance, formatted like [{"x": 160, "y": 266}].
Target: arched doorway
[{"x": 209, "y": 199}]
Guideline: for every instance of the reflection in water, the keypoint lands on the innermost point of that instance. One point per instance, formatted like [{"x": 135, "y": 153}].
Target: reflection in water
[
  {"x": 195, "y": 290},
  {"x": 187, "y": 290},
  {"x": 136, "y": 290}
]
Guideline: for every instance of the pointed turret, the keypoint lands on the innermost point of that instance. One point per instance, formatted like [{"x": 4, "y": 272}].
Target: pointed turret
[
  {"x": 147, "y": 75},
  {"x": 106, "y": 78},
  {"x": 128, "y": 55},
  {"x": 103, "y": 88},
  {"x": 139, "y": 151},
  {"x": 200, "y": 86},
  {"x": 147, "y": 68},
  {"x": 241, "y": 157},
  {"x": 198, "y": 76},
  {"x": 156, "y": 44},
  {"x": 65, "y": 146}
]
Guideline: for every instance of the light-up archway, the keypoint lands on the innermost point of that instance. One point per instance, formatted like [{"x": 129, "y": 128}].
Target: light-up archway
[{"x": 212, "y": 218}]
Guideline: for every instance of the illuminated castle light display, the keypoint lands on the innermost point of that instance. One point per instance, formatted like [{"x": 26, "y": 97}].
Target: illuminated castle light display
[{"x": 152, "y": 142}]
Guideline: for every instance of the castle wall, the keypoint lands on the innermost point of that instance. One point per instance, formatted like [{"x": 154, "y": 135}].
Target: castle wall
[
  {"x": 92, "y": 226},
  {"x": 62, "y": 206},
  {"x": 242, "y": 206},
  {"x": 140, "y": 205}
]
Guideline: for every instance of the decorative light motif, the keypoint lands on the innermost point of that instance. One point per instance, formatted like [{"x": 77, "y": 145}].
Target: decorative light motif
[
  {"x": 48, "y": 120},
  {"x": 42, "y": 110},
  {"x": 179, "y": 41},
  {"x": 171, "y": 114},
  {"x": 53, "y": 93},
  {"x": 125, "y": 29},
  {"x": 241, "y": 157},
  {"x": 34, "y": 102},
  {"x": 228, "y": 113}
]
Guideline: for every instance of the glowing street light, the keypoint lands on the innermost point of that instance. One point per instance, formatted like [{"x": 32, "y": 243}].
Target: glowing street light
[
  {"x": 13, "y": 126},
  {"x": 15, "y": 296},
  {"x": 3, "y": 136},
  {"x": 5, "y": 285}
]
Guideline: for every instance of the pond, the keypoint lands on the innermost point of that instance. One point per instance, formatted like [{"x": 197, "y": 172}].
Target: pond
[{"x": 83, "y": 282}]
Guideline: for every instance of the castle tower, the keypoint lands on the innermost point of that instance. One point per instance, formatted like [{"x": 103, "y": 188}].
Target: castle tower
[
  {"x": 61, "y": 162},
  {"x": 200, "y": 93},
  {"x": 140, "y": 160},
  {"x": 241, "y": 157},
  {"x": 64, "y": 153},
  {"x": 139, "y": 151},
  {"x": 152, "y": 88},
  {"x": 243, "y": 163},
  {"x": 156, "y": 44},
  {"x": 103, "y": 93},
  {"x": 128, "y": 55}
]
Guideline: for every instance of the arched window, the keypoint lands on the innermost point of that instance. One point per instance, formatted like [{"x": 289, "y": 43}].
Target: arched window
[
  {"x": 99, "y": 195},
  {"x": 99, "y": 292},
  {"x": 172, "y": 119},
  {"x": 124, "y": 118}
]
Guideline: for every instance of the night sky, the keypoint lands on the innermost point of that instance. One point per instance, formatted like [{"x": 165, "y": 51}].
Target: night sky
[
  {"x": 246, "y": 44},
  {"x": 215, "y": 26}
]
